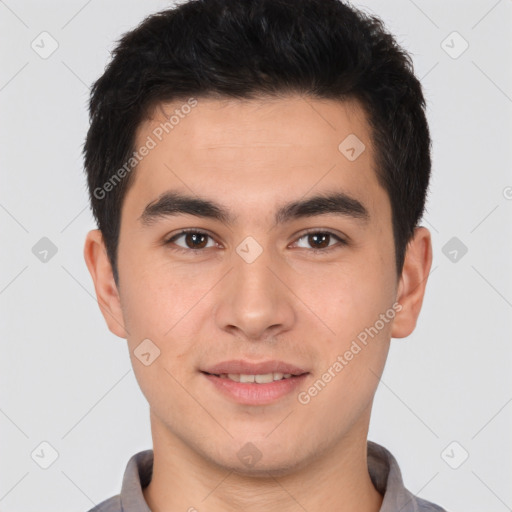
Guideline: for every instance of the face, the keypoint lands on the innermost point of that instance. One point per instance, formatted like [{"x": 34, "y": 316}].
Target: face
[{"x": 287, "y": 266}]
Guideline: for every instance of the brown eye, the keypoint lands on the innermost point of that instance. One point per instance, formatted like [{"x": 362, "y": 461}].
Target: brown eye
[
  {"x": 320, "y": 240},
  {"x": 196, "y": 240},
  {"x": 191, "y": 240}
]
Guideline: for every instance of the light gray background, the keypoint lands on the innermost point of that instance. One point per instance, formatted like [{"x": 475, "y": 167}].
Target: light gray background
[{"x": 65, "y": 379}]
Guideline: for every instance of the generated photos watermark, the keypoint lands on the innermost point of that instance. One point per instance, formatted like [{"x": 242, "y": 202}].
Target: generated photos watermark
[
  {"x": 137, "y": 156},
  {"x": 357, "y": 345}
]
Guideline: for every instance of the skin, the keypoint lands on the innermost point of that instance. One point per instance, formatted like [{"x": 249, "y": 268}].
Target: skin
[{"x": 290, "y": 304}]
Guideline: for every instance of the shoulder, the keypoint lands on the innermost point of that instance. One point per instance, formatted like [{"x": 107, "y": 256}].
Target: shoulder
[{"x": 110, "y": 505}]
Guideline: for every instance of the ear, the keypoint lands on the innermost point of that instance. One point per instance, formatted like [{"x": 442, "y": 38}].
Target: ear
[
  {"x": 95, "y": 254},
  {"x": 413, "y": 281}
]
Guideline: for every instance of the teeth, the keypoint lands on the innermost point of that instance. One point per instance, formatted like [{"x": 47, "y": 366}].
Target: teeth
[{"x": 264, "y": 378}]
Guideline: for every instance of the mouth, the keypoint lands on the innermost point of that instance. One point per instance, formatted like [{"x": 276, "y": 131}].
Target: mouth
[
  {"x": 256, "y": 388},
  {"x": 249, "y": 369},
  {"x": 260, "y": 378}
]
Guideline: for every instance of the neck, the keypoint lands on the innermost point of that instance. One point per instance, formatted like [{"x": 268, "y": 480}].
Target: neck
[{"x": 184, "y": 480}]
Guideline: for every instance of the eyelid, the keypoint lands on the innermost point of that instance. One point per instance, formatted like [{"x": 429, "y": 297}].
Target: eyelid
[
  {"x": 170, "y": 239},
  {"x": 341, "y": 239},
  {"x": 325, "y": 231}
]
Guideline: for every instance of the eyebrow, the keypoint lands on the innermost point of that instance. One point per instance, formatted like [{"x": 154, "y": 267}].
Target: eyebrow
[{"x": 173, "y": 203}]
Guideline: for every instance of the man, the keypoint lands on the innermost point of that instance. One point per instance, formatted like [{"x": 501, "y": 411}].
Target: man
[{"x": 258, "y": 169}]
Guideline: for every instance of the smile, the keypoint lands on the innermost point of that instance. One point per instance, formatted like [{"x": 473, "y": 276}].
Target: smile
[
  {"x": 264, "y": 378},
  {"x": 255, "y": 389}
]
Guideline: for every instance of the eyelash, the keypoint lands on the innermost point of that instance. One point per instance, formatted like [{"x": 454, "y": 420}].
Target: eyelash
[{"x": 340, "y": 241}]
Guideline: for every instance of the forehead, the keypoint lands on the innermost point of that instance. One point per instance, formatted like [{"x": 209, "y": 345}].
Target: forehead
[
  {"x": 255, "y": 151},
  {"x": 298, "y": 121}
]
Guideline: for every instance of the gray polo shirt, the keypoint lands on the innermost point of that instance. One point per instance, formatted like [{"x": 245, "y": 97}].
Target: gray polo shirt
[{"x": 382, "y": 466}]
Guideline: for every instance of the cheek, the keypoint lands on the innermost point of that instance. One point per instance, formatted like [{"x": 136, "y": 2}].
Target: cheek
[
  {"x": 373, "y": 280},
  {"x": 349, "y": 298},
  {"x": 159, "y": 307},
  {"x": 166, "y": 306},
  {"x": 355, "y": 298},
  {"x": 157, "y": 296}
]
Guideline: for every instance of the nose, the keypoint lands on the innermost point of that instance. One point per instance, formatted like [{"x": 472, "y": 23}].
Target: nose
[{"x": 255, "y": 303}]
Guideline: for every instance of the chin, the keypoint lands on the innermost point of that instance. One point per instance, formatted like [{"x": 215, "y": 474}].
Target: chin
[{"x": 261, "y": 459}]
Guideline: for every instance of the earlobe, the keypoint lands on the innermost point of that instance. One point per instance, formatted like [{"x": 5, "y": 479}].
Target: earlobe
[
  {"x": 107, "y": 295},
  {"x": 413, "y": 281}
]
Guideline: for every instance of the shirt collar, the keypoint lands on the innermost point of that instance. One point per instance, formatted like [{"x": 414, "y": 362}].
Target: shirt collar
[
  {"x": 382, "y": 466},
  {"x": 139, "y": 471},
  {"x": 387, "y": 479}
]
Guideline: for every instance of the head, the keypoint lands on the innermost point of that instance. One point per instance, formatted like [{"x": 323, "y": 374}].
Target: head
[{"x": 289, "y": 137}]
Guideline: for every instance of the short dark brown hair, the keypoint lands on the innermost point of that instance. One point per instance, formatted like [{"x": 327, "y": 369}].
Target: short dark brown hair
[{"x": 252, "y": 48}]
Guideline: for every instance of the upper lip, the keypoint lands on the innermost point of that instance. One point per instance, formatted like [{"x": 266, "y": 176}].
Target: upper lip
[{"x": 239, "y": 366}]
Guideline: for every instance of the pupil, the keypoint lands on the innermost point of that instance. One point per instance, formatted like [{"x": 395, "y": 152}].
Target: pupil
[
  {"x": 324, "y": 240},
  {"x": 193, "y": 238}
]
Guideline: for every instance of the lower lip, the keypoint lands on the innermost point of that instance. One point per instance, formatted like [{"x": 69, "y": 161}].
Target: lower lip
[{"x": 256, "y": 394}]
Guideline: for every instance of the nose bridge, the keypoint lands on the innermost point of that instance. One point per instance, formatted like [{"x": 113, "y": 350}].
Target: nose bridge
[
  {"x": 252, "y": 273},
  {"x": 253, "y": 300}
]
